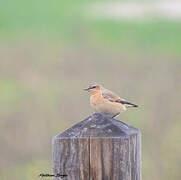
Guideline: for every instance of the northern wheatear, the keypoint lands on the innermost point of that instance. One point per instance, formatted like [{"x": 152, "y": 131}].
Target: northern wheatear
[{"x": 104, "y": 101}]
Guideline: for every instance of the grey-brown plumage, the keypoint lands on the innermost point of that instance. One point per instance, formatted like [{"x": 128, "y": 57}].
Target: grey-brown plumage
[
  {"x": 105, "y": 101},
  {"x": 115, "y": 98}
]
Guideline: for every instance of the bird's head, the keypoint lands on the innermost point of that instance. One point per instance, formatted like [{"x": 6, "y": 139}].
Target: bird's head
[{"x": 93, "y": 88}]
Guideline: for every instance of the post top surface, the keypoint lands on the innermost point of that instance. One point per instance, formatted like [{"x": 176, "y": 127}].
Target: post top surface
[{"x": 98, "y": 125}]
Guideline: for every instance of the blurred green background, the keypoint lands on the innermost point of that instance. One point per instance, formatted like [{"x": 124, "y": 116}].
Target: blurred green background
[{"x": 51, "y": 50}]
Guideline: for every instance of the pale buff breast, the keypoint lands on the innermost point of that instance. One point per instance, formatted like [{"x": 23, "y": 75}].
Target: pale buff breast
[{"x": 102, "y": 105}]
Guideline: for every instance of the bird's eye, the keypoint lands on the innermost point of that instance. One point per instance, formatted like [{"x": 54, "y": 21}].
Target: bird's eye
[{"x": 93, "y": 87}]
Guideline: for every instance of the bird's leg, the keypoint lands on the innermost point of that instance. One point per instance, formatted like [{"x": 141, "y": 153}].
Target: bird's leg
[{"x": 115, "y": 115}]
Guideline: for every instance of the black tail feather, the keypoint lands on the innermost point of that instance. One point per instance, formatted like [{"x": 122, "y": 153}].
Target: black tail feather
[{"x": 128, "y": 103}]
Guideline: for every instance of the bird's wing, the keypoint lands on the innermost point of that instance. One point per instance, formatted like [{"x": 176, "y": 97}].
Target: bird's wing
[{"x": 107, "y": 94}]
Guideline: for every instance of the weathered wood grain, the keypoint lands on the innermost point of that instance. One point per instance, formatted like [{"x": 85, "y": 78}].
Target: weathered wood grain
[
  {"x": 71, "y": 157},
  {"x": 114, "y": 159},
  {"x": 98, "y": 148}
]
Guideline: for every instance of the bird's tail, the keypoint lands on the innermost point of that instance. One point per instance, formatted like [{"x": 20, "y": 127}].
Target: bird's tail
[{"x": 128, "y": 104}]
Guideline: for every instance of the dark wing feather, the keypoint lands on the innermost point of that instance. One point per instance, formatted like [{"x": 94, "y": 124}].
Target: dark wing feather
[
  {"x": 126, "y": 103},
  {"x": 115, "y": 98}
]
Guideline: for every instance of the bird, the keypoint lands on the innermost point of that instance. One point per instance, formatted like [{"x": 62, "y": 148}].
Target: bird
[{"x": 106, "y": 102}]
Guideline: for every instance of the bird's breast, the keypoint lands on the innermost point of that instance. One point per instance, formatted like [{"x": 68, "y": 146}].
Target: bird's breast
[
  {"x": 96, "y": 100},
  {"x": 102, "y": 105}
]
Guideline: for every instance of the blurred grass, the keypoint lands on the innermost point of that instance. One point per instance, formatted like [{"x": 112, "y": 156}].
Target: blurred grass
[
  {"x": 28, "y": 170},
  {"x": 10, "y": 92},
  {"x": 156, "y": 35},
  {"x": 67, "y": 22},
  {"x": 50, "y": 50}
]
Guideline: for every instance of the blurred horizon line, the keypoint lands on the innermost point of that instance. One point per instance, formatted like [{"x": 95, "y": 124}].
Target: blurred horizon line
[{"x": 135, "y": 10}]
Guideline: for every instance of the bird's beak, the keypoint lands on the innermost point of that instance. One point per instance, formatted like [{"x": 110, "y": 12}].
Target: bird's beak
[{"x": 86, "y": 89}]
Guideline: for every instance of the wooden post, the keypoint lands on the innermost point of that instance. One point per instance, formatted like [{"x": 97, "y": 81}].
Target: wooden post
[{"x": 98, "y": 148}]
